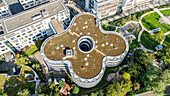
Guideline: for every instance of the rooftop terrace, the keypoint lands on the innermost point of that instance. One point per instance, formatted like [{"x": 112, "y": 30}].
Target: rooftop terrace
[{"x": 85, "y": 64}]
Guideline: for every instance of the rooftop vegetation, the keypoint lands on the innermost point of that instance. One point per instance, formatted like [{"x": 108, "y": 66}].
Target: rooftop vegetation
[{"x": 54, "y": 48}]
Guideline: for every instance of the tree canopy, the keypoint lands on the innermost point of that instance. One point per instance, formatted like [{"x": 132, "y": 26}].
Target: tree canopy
[
  {"x": 75, "y": 90},
  {"x": 122, "y": 88},
  {"x": 21, "y": 60}
]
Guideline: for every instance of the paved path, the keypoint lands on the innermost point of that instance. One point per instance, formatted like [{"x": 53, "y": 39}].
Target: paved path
[
  {"x": 165, "y": 37},
  {"x": 75, "y": 7},
  {"x": 164, "y": 18},
  {"x": 38, "y": 57},
  {"x": 150, "y": 93},
  {"x": 126, "y": 14},
  {"x": 8, "y": 57},
  {"x": 143, "y": 28}
]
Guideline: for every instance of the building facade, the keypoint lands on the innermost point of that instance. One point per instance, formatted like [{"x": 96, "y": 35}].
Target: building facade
[
  {"x": 140, "y": 4},
  {"x": 27, "y": 4},
  {"x": 4, "y": 10},
  {"x": 102, "y": 8},
  {"x": 25, "y": 28}
]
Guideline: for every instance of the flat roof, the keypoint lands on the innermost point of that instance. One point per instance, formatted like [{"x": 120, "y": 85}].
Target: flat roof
[
  {"x": 24, "y": 19},
  {"x": 57, "y": 26},
  {"x": 106, "y": 44}
]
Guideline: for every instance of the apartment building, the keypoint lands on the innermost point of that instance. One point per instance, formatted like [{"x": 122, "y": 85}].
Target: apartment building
[
  {"x": 25, "y": 28},
  {"x": 131, "y": 4},
  {"x": 27, "y": 4},
  {"x": 102, "y": 8},
  {"x": 4, "y": 10}
]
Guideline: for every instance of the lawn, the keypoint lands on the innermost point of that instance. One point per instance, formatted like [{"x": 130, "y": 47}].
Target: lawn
[
  {"x": 167, "y": 41},
  {"x": 133, "y": 17},
  {"x": 32, "y": 50},
  {"x": 148, "y": 40},
  {"x": 151, "y": 21},
  {"x": 166, "y": 12}
]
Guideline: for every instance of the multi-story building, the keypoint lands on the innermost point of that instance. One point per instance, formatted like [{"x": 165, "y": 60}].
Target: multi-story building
[
  {"x": 102, "y": 8},
  {"x": 23, "y": 29},
  {"x": 4, "y": 10},
  {"x": 27, "y": 4},
  {"x": 131, "y": 4}
]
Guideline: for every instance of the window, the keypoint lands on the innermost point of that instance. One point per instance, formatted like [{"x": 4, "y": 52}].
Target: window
[{"x": 52, "y": 18}]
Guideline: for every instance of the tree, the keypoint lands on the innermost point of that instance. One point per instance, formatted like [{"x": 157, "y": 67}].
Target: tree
[
  {"x": 36, "y": 66},
  {"x": 145, "y": 58},
  {"x": 21, "y": 60},
  {"x": 61, "y": 84},
  {"x": 126, "y": 76},
  {"x": 149, "y": 76},
  {"x": 160, "y": 35},
  {"x": 134, "y": 17},
  {"x": 51, "y": 85},
  {"x": 123, "y": 21},
  {"x": 120, "y": 89},
  {"x": 75, "y": 90},
  {"x": 4, "y": 94},
  {"x": 160, "y": 83},
  {"x": 134, "y": 70},
  {"x": 136, "y": 86},
  {"x": 24, "y": 92},
  {"x": 165, "y": 55},
  {"x": 39, "y": 43},
  {"x": 98, "y": 93}
]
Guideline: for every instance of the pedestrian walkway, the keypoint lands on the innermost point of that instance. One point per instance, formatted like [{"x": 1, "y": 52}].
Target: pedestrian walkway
[
  {"x": 164, "y": 18},
  {"x": 165, "y": 37},
  {"x": 43, "y": 65}
]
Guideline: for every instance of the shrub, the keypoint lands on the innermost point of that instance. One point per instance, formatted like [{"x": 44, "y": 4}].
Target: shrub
[{"x": 75, "y": 90}]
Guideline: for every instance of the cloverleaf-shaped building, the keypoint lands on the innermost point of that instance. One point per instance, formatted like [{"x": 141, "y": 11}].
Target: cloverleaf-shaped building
[{"x": 85, "y": 49}]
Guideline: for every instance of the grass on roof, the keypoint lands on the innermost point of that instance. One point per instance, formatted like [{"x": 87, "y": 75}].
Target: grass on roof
[{"x": 95, "y": 59}]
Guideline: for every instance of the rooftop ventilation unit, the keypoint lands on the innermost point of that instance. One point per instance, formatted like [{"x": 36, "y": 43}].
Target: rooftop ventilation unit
[
  {"x": 34, "y": 17},
  {"x": 44, "y": 13}
]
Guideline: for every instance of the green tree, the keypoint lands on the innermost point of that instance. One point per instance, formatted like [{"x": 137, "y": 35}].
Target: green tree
[
  {"x": 52, "y": 85},
  {"x": 149, "y": 76},
  {"x": 145, "y": 58},
  {"x": 126, "y": 76},
  {"x": 39, "y": 43},
  {"x": 134, "y": 70},
  {"x": 160, "y": 36},
  {"x": 61, "y": 84},
  {"x": 136, "y": 86},
  {"x": 4, "y": 94},
  {"x": 134, "y": 17},
  {"x": 36, "y": 66},
  {"x": 24, "y": 92},
  {"x": 120, "y": 89},
  {"x": 21, "y": 60},
  {"x": 75, "y": 90},
  {"x": 98, "y": 93},
  {"x": 160, "y": 83},
  {"x": 165, "y": 55}
]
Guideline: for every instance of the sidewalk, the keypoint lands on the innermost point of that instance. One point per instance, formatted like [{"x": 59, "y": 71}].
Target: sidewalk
[{"x": 39, "y": 58}]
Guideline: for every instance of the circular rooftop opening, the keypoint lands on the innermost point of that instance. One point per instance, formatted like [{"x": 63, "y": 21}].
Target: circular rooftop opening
[{"x": 85, "y": 44}]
